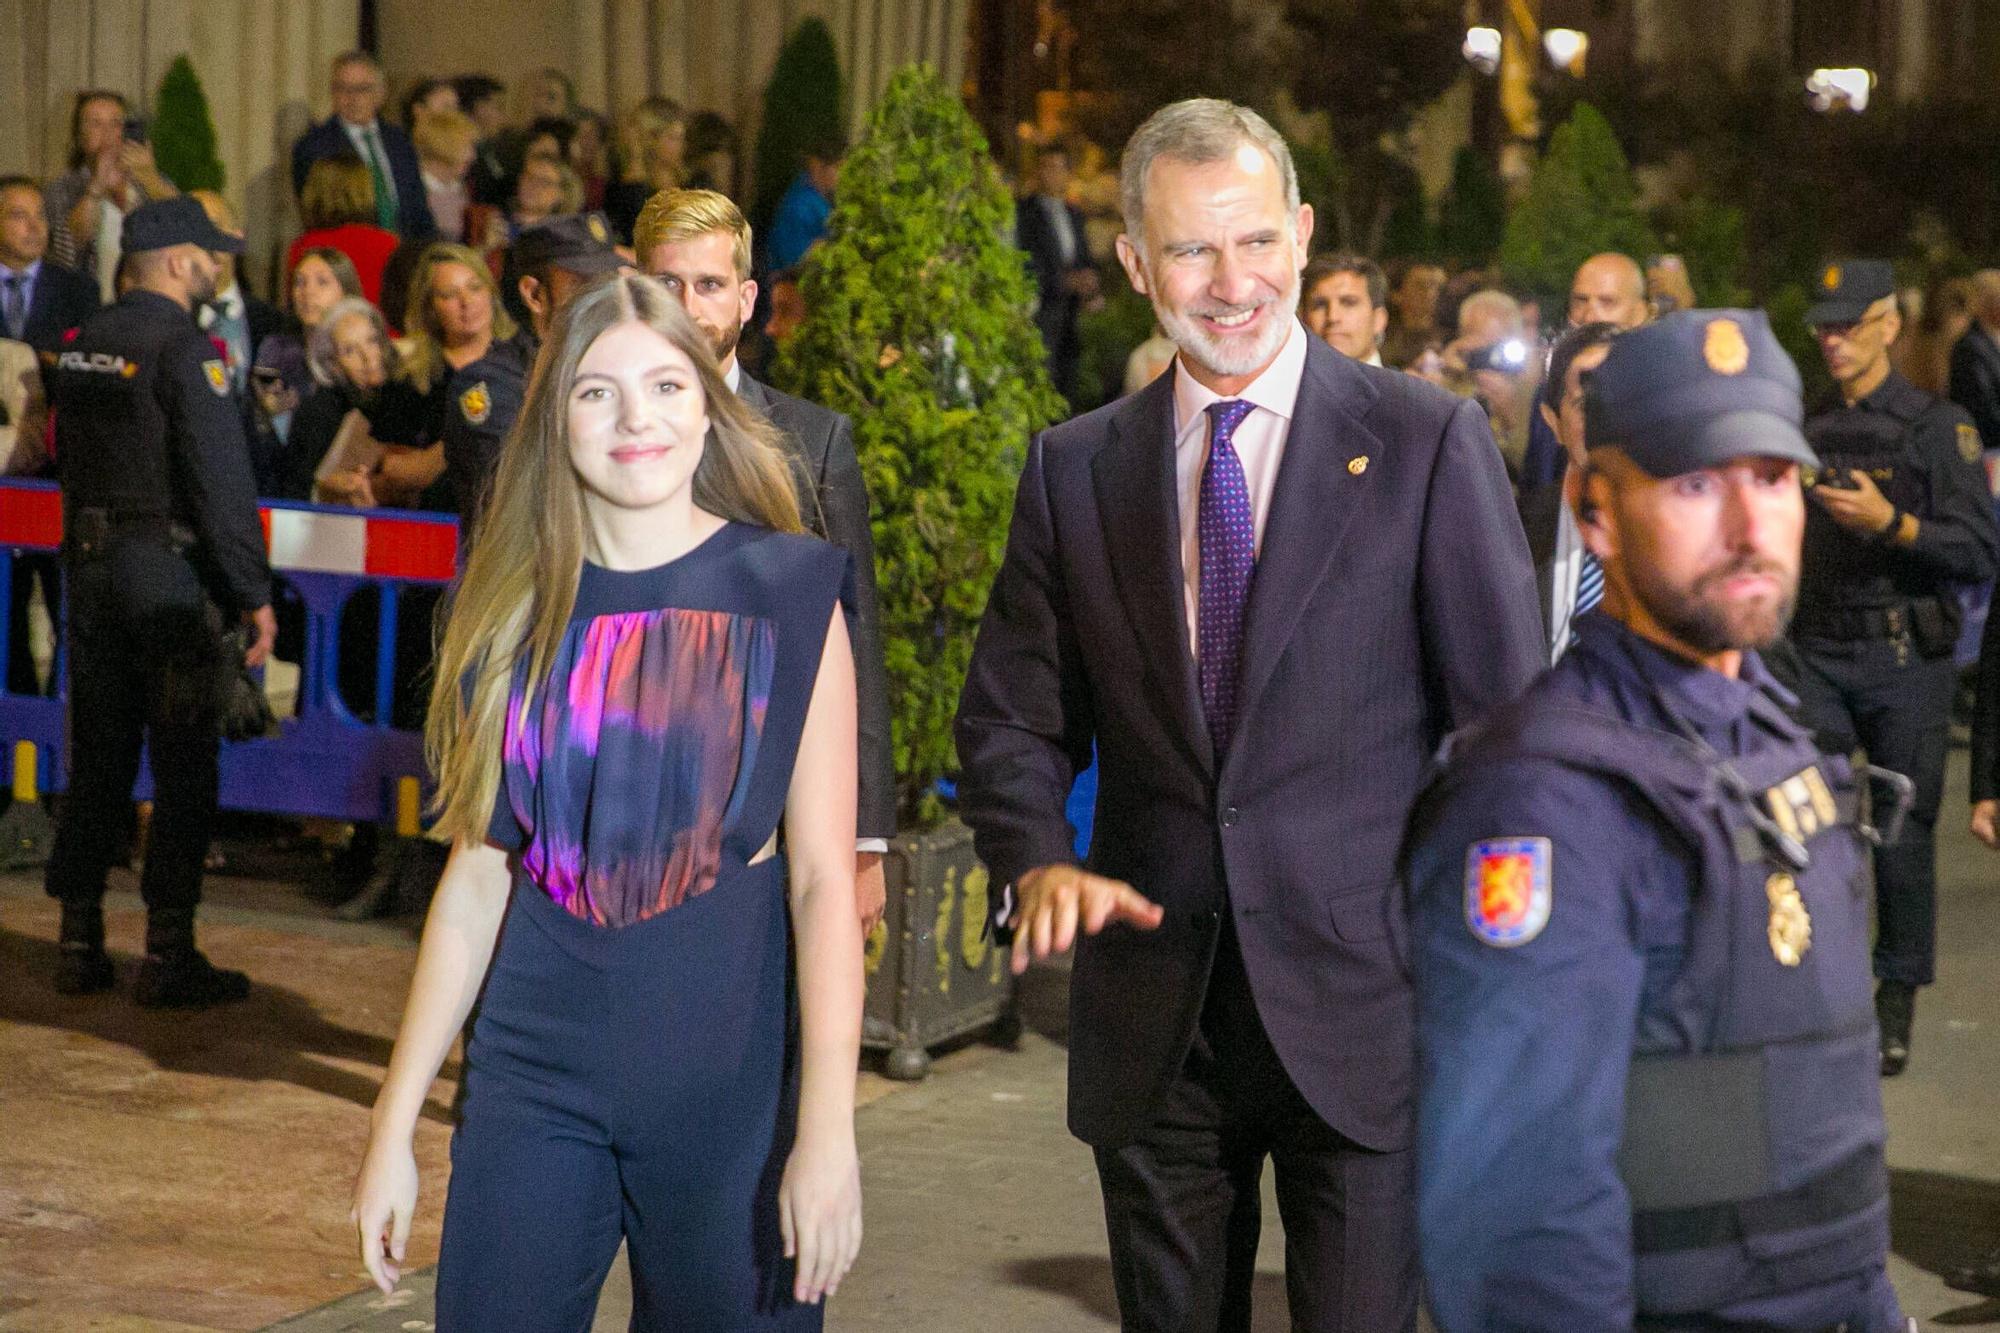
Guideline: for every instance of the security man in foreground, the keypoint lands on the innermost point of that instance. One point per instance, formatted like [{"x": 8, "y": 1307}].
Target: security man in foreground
[
  {"x": 1647, "y": 1089},
  {"x": 162, "y": 550},
  {"x": 1900, "y": 514}
]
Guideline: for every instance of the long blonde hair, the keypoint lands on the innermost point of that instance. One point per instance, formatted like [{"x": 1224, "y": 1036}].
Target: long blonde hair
[
  {"x": 423, "y": 336},
  {"x": 514, "y": 599}
]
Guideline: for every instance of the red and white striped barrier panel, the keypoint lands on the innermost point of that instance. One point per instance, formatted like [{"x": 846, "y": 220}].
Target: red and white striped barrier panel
[{"x": 311, "y": 539}]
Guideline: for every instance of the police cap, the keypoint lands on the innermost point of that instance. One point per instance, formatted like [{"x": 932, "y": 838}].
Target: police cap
[
  {"x": 176, "y": 220},
  {"x": 579, "y": 242},
  {"x": 1847, "y": 288},
  {"x": 1695, "y": 389}
]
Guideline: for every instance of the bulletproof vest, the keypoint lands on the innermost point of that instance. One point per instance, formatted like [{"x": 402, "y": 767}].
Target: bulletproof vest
[
  {"x": 1753, "y": 1148},
  {"x": 1843, "y": 569},
  {"x": 111, "y": 429}
]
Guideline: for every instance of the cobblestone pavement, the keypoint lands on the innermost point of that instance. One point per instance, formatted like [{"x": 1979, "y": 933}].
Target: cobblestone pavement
[{"x": 189, "y": 1174}]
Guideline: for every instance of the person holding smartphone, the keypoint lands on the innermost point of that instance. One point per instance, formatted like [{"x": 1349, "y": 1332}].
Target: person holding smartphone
[
  {"x": 1900, "y": 518},
  {"x": 111, "y": 172}
]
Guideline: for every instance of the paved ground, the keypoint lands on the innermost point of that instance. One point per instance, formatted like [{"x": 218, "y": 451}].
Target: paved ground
[{"x": 191, "y": 1173}]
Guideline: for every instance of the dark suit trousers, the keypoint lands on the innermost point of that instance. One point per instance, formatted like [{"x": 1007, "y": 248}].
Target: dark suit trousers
[{"x": 1184, "y": 1208}]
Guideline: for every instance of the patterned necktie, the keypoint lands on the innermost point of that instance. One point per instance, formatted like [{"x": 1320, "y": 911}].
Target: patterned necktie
[
  {"x": 1589, "y": 590},
  {"x": 1228, "y": 558},
  {"x": 16, "y": 305},
  {"x": 385, "y": 198}
]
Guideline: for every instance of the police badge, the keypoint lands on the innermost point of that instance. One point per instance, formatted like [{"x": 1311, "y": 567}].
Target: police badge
[
  {"x": 1968, "y": 442},
  {"x": 1791, "y": 928},
  {"x": 218, "y": 377},
  {"x": 476, "y": 404}
]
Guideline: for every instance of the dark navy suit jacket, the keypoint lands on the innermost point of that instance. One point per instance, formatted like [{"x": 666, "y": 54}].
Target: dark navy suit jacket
[
  {"x": 61, "y": 301},
  {"x": 1393, "y": 602},
  {"x": 413, "y": 208}
]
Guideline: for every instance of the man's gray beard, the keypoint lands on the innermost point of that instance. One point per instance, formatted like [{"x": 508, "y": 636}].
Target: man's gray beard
[{"x": 1197, "y": 346}]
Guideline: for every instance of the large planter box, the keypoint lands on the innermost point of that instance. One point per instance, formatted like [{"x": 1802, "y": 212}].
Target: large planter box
[{"x": 934, "y": 972}]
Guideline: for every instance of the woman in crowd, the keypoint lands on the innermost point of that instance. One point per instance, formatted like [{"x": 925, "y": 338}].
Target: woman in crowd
[
  {"x": 358, "y": 370},
  {"x": 109, "y": 175},
  {"x": 337, "y": 208},
  {"x": 545, "y": 189},
  {"x": 1942, "y": 316},
  {"x": 644, "y": 673},
  {"x": 453, "y": 318},
  {"x": 280, "y": 372},
  {"x": 652, "y": 155},
  {"x": 590, "y": 157},
  {"x": 447, "y": 142},
  {"x": 711, "y": 154}
]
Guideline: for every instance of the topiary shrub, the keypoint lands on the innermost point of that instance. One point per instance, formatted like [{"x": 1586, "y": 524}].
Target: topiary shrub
[
  {"x": 918, "y": 329},
  {"x": 183, "y": 133},
  {"x": 801, "y": 102},
  {"x": 1581, "y": 201}
]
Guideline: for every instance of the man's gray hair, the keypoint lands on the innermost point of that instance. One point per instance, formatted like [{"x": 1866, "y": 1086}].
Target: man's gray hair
[{"x": 1198, "y": 130}]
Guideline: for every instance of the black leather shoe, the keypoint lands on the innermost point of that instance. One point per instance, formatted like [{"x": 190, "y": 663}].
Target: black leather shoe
[
  {"x": 1895, "y": 1008},
  {"x": 1981, "y": 1279},
  {"x": 186, "y": 981},
  {"x": 82, "y": 970}
]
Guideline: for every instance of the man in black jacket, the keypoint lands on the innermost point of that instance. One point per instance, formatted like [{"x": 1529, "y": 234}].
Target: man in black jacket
[
  {"x": 161, "y": 548},
  {"x": 356, "y": 126},
  {"x": 1050, "y": 229},
  {"x": 698, "y": 243},
  {"x": 1975, "y": 358},
  {"x": 39, "y": 301}
]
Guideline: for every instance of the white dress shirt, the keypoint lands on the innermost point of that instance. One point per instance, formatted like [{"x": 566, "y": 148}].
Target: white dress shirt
[
  {"x": 1566, "y": 568},
  {"x": 1259, "y": 443}
]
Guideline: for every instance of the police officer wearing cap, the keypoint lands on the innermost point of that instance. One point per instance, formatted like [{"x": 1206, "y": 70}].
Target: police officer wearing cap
[
  {"x": 1899, "y": 517},
  {"x": 162, "y": 549},
  {"x": 1647, "y": 1091},
  {"x": 548, "y": 263}
]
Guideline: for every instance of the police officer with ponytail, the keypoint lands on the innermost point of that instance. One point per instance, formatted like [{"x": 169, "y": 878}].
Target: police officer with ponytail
[{"x": 1648, "y": 1095}]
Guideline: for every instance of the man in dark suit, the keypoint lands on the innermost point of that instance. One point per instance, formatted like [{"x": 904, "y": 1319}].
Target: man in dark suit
[
  {"x": 39, "y": 301},
  {"x": 1265, "y": 587},
  {"x": 356, "y": 126},
  {"x": 1050, "y": 229},
  {"x": 1568, "y": 579},
  {"x": 1975, "y": 359},
  {"x": 237, "y": 321},
  {"x": 698, "y": 243}
]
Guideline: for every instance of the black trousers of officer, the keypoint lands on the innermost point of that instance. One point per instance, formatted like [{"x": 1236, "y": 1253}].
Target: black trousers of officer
[
  {"x": 1183, "y": 1204},
  {"x": 1895, "y": 704},
  {"x": 143, "y": 670}
]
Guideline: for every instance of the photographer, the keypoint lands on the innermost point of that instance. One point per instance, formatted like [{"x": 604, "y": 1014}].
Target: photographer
[
  {"x": 111, "y": 173},
  {"x": 1495, "y": 360}
]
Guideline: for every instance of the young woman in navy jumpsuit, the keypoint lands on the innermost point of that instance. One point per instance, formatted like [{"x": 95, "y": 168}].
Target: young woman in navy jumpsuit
[{"x": 645, "y": 671}]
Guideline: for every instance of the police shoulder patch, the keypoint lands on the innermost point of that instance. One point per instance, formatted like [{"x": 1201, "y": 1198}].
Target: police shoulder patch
[
  {"x": 1509, "y": 889},
  {"x": 218, "y": 376},
  {"x": 476, "y": 404},
  {"x": 1969, "y": 447}
]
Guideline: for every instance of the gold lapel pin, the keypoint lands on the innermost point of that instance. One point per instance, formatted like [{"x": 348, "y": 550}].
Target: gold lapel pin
[{"x": 1359, "y": 465}]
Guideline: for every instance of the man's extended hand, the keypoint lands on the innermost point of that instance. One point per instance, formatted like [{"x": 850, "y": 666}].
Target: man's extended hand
[
  {"x": 1985, "y": 817},
  {"x": 871, "y": 892},
  {"x": 265, "y": 623},
  {"x": 1861, "y": 509},
  {"x": 1052, "y": 901}
]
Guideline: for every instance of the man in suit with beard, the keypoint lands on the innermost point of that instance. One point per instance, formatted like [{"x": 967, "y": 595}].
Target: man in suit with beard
[
  {"x": 698, "y": 243},
  {"x": 1264, "y": 588}
]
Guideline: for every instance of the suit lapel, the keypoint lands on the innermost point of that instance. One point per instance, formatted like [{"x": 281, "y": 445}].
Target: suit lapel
[
  {"x": 1140, "y": 509},
  {"x": 1312, "y": 500}
]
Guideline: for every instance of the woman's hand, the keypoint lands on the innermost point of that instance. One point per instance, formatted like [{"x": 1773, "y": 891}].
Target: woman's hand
[
  {"x": 819, "y": 1212},
  {"x": 351, "y": 487},
  {"x": 385, "y": 1196}
]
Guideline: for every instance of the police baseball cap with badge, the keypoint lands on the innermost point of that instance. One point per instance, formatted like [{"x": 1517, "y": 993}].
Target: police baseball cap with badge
[
  {"x": 1847, "y": 287},
  {"x": 579, "y": 242},
  {"x": 179, "y": 220},
  {"x": 1696, "y": 389}
]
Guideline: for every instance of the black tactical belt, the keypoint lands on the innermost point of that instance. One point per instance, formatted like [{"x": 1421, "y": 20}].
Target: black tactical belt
[
  {"x": 88, "y": 527},
  {"x": 1855, "y": 1184},
  {"x": 1855, "y": 622}
]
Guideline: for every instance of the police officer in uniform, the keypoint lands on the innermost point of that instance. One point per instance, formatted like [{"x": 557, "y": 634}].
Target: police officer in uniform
[
  {"x": 549, "y": 263},
  {"x": 162, "y": 550},
  {"x": 1647, "y": 1090},
  {"x": 1900, "y": 515}
]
